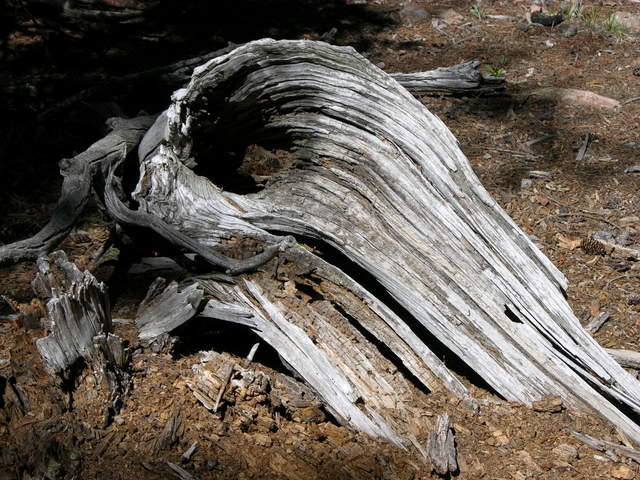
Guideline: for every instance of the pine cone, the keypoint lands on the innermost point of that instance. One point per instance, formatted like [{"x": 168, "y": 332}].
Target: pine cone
[{"x": 593, "y": 247}]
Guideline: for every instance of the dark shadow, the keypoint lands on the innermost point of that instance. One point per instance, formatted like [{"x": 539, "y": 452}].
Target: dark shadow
[{"x": 203, "y": 334}]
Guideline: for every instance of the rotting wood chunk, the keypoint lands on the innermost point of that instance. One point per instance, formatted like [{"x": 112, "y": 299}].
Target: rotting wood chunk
[
  {"x": 550, "y": 404},
  {"x": 78, "y": 318},
  {"x": 252, "y": 392},
  {"x": 442, "y": 449}
]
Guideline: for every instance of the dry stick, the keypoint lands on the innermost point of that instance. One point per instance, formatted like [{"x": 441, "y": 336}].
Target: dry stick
[
  {"x": 631, "y": 100},
  {"x": 583, "y": 148},
  {"x": 227, "y": 376},
  {"x": 462, "y": 40},
  {"x": 626, "y": 358},
  {"x": 605, "y": 446},
  {"x": 620, "y": 277},
  {"x": 629, "y": 253},
  {"x": 180, "y": 472},
  {"x": 594, "y": 324},
  {"x": 512, "y": 152},
  {"x": 572, "y": 207},
  {"x": 590, "y": 217}
]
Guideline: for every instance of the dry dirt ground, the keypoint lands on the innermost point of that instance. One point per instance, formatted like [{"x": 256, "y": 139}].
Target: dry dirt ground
[{"x": 55, "y": 430}]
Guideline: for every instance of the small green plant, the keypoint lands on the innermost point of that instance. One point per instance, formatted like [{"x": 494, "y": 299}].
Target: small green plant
[
  {"x": 591, "y": 18},
  {"x": 575, "y": 10},
  {"x": 495, "y": 71},
  {"x": 612, "y": 25},
  {"x": 478, "y": 11}
]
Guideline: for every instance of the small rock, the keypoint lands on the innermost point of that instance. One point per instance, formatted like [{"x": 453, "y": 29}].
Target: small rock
[
  {"x": 526, "y": 183},
  {"x": 118, "y": 420},
  {"x": 570, "y": 31},
  {"x": 623, "y": 472},
  {"x": 634, "y": 169},
  {"x": 550, "y": 403},
  {"x": 549, "y": 43},
  {"x": 451, "y": 17},
  {"x": 565, "y": 452},
  {"x": 412, "y": 13},
  {"x": 545, "y": 116},
  {"x": 576, "y": 97},
  {"x": 526, "y": 459},
  {"x": 261, "y": 439},
  {"x": 604, "y": 236}
]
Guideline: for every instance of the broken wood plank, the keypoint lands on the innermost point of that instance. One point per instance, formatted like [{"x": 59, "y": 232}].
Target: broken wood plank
[
  {"x": 604, "y": 446},
  {"x": 78, "y": 310}
]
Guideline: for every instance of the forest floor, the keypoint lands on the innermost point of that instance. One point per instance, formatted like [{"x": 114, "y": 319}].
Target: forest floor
[{"x": 556, "y": 191}]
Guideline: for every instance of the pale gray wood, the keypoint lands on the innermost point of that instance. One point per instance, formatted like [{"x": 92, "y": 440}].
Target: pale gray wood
[
  {"x": 168, "y": 310},
  {"x": 79, "y": 325},
  {"x": 626, "y": 358},
  {"x": 442, "y": 450},
  {"x": 78, "y": 311},
  {"x": 460, "y": 79},
  {"x": 595, "y": 323},
  {"x": 604, "y": 446},
  {"x": 383, "y": 181}
]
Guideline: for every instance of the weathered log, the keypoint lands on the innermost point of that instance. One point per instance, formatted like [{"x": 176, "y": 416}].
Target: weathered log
[
  {"x": 459, "y": 79},
  {"x": 78, "y": 173},
  {"x": 382, "y": 181}
]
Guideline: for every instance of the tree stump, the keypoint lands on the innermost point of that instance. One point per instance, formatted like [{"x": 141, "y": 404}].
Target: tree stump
[{"x": 423, "y": 258}]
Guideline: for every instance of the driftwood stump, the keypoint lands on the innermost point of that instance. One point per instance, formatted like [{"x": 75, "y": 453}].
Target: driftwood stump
[
  {"x": 426, "y": 257},
  {"x": 371, "y": 250}
]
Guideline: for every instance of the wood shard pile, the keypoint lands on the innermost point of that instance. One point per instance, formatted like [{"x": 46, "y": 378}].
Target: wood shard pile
[{"x": 427, "y": 256}]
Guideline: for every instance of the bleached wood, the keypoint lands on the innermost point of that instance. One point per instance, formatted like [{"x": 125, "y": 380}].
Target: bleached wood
[
  {"x": 462, "y": 78},
  {"x": 442, "y": 450},
  {"x": 168, "y": 310},
  {"x": 626, "y": 358},
  {"x": 79, "y": 323},
  {"x": 383, "y": 181}
]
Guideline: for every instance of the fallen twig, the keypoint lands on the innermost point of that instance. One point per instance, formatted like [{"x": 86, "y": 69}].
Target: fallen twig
[
  {"x": 620, "y": 277},
  {"x": 608, "y": 447},
  {"x": 583, "y": 148},
  {"x": 590, "y": 217}
]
